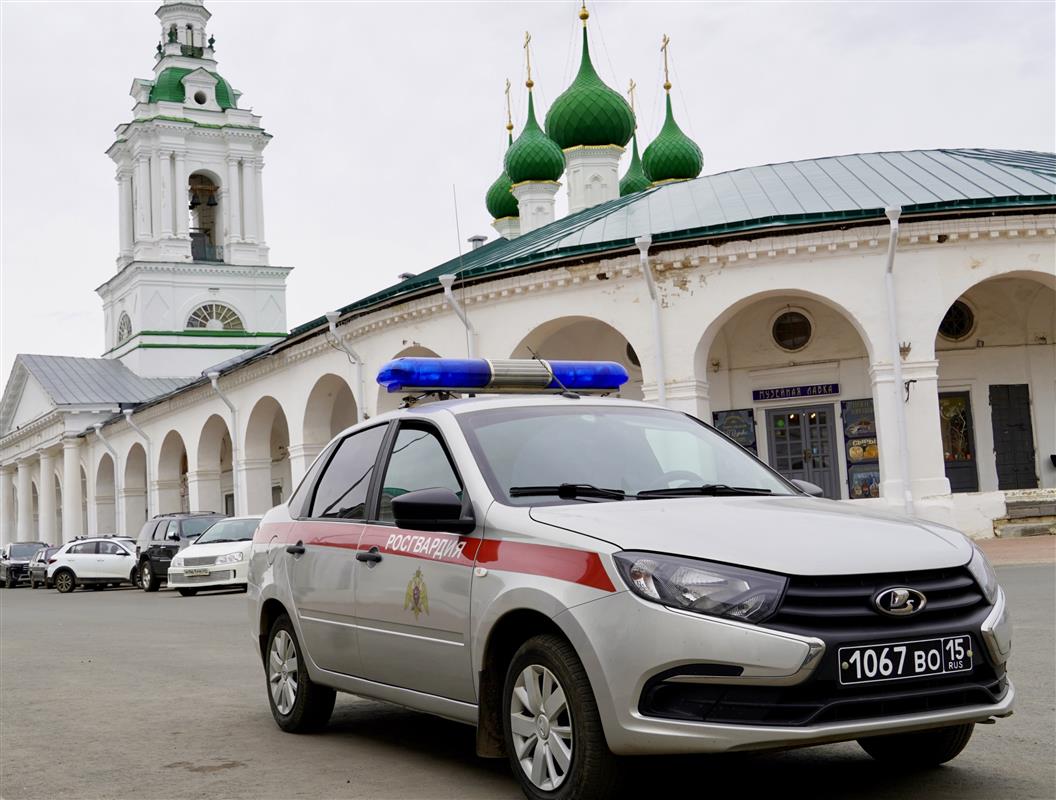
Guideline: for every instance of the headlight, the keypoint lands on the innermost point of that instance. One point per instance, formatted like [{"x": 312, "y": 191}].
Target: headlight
[
  {"x": 230, "y": 558},
  {"x": 984, "y": 574},
  {"x": 701, "y": 586},
  {"x": 177, "y": 562}
]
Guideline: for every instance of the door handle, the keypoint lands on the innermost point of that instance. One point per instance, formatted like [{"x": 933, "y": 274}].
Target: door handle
[
  {"x": 295, "y": 549},
  {"x": 370, "y": 557}
]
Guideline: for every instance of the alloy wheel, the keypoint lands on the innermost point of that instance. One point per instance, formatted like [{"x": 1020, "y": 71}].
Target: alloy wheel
[
  {"x": 541, "y": 723},
  {"x": 64, "y": 582},
  {"x": 282, "y": 672}
]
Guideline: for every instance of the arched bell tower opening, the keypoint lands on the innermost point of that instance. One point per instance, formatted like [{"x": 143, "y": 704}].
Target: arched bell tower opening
[{"x": 204, "y": 207}]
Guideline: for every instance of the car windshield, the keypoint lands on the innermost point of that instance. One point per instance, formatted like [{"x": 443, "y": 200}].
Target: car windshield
[
  {"x": 597, "y": 453},
  {"x": 25, "y": 551},
  {"x": 192, "y": 527},
  {"x": 230, "y": 530}
]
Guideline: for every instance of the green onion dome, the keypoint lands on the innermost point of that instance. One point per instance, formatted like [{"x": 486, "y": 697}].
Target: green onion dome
[
  {"x": 588, "y": 112},
  {"x": 499, "y": 199},
  {"x": 672, "y": 156},
  {"x": 533, "y": 156},
  {"x": 169, "y": 86},
  {"x": 634, "y": 180}
]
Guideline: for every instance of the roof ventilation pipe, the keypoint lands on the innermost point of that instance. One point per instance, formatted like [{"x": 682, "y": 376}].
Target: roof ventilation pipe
[
  {"x": 644, "y": 243},
  {"x": 896, "y": 360},
  {"x": 477, "y": 241},
  {"x": 150, "y": 452},
  {"x": 448, "y": 281},
  {"x": 332, "y": 317},
  {"x": 214, "y": 380},
  {"x": 119, "y": 511}
]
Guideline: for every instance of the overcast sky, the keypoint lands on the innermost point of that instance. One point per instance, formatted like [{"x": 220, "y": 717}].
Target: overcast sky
[{"x": 377, "y": 109}]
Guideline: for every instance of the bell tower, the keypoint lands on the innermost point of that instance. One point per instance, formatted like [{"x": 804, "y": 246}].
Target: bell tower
[{"x": 193, "y": 277}]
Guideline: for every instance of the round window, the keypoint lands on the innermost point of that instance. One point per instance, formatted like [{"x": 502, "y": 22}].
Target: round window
[
  {"x": 791, "y": 331},
  {"x": 200, "y": 98},
  {"x": 958, "y": 322}
]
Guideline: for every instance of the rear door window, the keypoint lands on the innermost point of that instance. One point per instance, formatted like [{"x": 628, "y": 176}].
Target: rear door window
[{"x": 345, "y": 483}]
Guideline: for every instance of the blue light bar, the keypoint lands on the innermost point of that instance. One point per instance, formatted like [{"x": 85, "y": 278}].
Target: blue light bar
[{"x": 500, "y": 375}]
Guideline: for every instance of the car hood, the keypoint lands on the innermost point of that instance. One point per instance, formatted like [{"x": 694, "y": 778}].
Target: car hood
[
  {"x": 792, "y": 535},
  {"x": 214, "y": 549}
]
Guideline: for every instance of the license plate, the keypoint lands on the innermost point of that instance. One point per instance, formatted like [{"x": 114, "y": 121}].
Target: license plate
[
  {"x": 889, "y": 662},
  {"x": 196, "y": 573}
]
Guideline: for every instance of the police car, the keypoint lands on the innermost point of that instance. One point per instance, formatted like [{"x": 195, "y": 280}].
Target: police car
[{"x": 585, "y": 578}]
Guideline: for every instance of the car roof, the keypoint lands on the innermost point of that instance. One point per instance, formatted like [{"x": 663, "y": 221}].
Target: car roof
[{"x": 463, "y": 405}]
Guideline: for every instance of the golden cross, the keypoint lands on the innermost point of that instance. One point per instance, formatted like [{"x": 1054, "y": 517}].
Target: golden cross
[
  {"x": 663, "y": 48},
  {"x": 509, "y": 113},
  {"x": 528, "y": 59},
  {"x": 630, "y": 93}
]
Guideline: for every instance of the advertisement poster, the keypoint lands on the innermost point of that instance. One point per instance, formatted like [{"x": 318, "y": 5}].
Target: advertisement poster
[
  {"x": 863, "y": 455},
  {"x": 739, "y": 425}
]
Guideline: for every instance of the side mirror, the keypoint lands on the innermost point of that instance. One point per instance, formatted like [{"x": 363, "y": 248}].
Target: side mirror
[
  {"x": 810, "y": 488},
  {"x": 123, "y": 553},
  {"x": 438, "y": 510},
  {"x": 173, "y": 537}
]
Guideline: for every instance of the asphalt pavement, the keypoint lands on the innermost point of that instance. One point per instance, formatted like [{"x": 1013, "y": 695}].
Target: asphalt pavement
[{"x": 122, "y": 694}]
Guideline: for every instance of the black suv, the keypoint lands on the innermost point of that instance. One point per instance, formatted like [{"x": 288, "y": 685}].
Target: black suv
[
  {"x": 14, "y": 562},
  {"x": 164, "y": 536}
]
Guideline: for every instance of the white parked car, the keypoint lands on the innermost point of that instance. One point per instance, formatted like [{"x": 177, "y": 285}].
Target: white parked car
[
  {"x": 97, "y": 561},
  {"x": 215, "y": 560}
]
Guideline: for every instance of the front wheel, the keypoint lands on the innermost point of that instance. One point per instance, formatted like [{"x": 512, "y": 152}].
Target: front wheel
[
  {"x": 187, "y": 592},
  {"x": 920, "y": 749},
  {"x": 32, "y": 583},
  {"x": 148, "y": 581},
  {"x": 553, "y": 732},
  {"x": 298, "y": 704},
  {"x": 65, "y": 582}
]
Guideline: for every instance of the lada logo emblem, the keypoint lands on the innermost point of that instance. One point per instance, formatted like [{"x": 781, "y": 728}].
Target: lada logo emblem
[{"x": 899, "y": 601}]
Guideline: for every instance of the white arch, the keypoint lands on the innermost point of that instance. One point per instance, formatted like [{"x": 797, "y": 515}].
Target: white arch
[
  {"x": 134, "y": 489},
  {"x": 266, "y": 449},
  {"x": 390, "y": 401},
  {"x": 172, "y": 474},
  {"x": 329, "y": 409}
]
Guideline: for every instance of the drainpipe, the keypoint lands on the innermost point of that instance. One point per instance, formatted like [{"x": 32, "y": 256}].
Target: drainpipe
[
  {"x": 447, "y": 281},
  {"x": 119, "y": 511},
  {"x": 150, "y": 452},
  {"x": 214, "y": 380},
  {"x": 643, "y": 243},
  {"x": 331, "y": 318},
  {"x": 896, "y": 359}
]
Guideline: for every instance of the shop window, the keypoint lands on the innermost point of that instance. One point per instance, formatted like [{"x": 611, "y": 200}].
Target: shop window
[
  {"x": 958, "y": 322},
  {"x": 958, "y": 441},
  {"x": 792, "y": 331}
]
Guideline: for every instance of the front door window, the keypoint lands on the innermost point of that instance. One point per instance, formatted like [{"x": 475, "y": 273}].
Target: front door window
[
  {"x": 802, "y": 445},
  {"x": 958, "y": 441}
]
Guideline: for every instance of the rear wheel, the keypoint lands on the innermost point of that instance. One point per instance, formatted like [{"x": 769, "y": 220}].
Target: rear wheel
[
  {"x": 64, "y": 581},
  {"x": 920, "y": 749},
  {"x": 298, "y": 704},
  {"x": 148, "y": 581},
  {"x": 553, "y": 732},
  {"x": 188, "y": 592},
  {"x": 32, "y": 582}
]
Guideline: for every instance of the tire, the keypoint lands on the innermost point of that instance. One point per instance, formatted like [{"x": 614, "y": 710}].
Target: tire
[
  {"x": 312, "y": 704},
  {"x": 187, "y": 592},
  {"x": 32, "y": 583},
  {"x": 148, "y": 581},
  {"x": 133, "y": 577},
  {"x": 920, "y": 749},
  {"x": 547, "y": 667},
  {"x": 65, "y": 581}
]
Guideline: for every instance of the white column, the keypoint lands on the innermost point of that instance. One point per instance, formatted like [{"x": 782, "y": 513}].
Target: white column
[
  {"x": 25, "y": 502},
  {"x": 535, "y": 201},
  {"x": 141, "y": 217},
  {"x": 179, "y": 180},
  {"x": 258, "y": 176},
  {"x": 254, "y": 484},
  {"x": 7, "y": 505},
  {"x": 72, "y": 524},
  {"x": 164, "y": 189},
  {"x": 301, "y": 458},
  {"x": 249, "y": 201},
  {"x": 46, "y": 499},
  {"x": 507, "y": 227},
  {"x": 203, "y": 489},
  {"x": 124, "y": 211},
  {"x": 234, "y": 202},
  {"x": 157, "y": 196},
  {"x": 593, "y": 175},
  {"x": 690, "y": 397}
]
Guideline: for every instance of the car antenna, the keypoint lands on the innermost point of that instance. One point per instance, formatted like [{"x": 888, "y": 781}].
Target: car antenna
[{"x": 565, "y": 391}]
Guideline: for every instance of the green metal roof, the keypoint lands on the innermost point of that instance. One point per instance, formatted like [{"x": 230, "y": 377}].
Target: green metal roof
[
  {"x": 534, "y": 156},
  {"x": 169, "y": 86},
  {"x": 634, "y": 179},
  {"x": 499, "y": 199},
  {"x": 672, "y": 156},
  {"x": 588, "y": 112},
  {"x": 757, "y": 200}
]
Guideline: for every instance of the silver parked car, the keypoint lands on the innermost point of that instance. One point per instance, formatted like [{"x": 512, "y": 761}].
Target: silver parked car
[{"x": 585, "y": 578}]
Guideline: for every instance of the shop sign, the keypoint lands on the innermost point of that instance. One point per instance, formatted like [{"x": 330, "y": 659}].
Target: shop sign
[
  {"x": 795, "y": 392},
  {"x": 863, "y": 454},
  {"x": 739, "y": 425}
]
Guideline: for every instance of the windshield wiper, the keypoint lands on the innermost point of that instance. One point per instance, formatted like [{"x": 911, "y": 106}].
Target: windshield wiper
[
  {"x": 706, "y": 489},
  {"x": 568, "y": 491}
]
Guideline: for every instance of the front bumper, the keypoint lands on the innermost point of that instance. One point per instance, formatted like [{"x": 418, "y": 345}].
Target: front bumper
[
  {"x": 217, "y": 576},
  {"x": 628, "y": 645}
]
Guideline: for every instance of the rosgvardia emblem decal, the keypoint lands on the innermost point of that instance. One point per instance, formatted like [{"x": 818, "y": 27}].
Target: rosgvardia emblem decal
[{"x": 416, "y": 599}]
